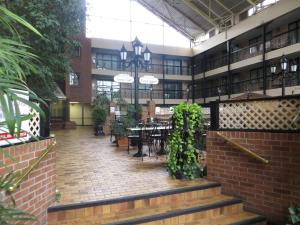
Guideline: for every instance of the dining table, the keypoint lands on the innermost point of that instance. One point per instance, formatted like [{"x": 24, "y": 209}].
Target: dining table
[{"x": 141, "y": 129}]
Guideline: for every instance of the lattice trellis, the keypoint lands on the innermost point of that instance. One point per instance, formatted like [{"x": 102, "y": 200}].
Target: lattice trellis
[
  {"x": 260, "y": 115},
  {"x": 34, "y": 123}
]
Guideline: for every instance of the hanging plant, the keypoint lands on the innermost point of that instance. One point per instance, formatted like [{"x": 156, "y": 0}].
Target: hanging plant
[{"x": 187, "y": 122}]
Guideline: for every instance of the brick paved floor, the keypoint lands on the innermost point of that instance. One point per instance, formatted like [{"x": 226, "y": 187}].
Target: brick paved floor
[{"x": 91, "y": 168}]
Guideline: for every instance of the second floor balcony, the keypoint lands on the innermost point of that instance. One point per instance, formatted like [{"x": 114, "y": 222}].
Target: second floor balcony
[{"x": 117, "y": 65}]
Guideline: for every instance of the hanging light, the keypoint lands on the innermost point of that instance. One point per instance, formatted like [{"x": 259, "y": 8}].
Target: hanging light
[
  {"x": 148, "y": 79},
  {"x": 294, "y": 67},
  {"x": 123, "y": 53},
  {"x": 123, "y": 78},
  {"x": 147, "y": 55},
  {"x": 273, "y": 68},
  {"x": 137, "y": 47},
  {"x": 284, "y": 63}
]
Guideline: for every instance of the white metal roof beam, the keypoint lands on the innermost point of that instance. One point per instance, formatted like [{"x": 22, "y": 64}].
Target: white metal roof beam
[
  {"x": 190, "y": 4},
  {"x": 224, "y": 6},
  {"x": 251, "y": 2},
  {"x": 167, "y": 20},
  {"x": 210, "y": 9},
  {"x": 167, "y": 4}
]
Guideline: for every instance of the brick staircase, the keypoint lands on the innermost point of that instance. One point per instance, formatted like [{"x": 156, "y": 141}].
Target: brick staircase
[{"x": 196, "y": 205}]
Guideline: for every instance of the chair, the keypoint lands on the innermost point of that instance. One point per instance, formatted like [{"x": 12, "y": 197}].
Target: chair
[
  {"x": 155, "y": 137},
  {"x": 133, "y": 136}
]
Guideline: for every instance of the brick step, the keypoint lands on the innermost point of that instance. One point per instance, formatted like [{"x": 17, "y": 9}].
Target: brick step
[
  {"x": 243, "y": 218},
  {"x": 219, "y": 204},
  {"x": 201, "y": 204},
  {"x": 180, "y": 214},
  {"x": 112, "y": 207}
]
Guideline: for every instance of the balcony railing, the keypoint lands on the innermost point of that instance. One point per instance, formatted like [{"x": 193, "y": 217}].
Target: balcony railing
[
  {"x": 247, "y": 52},
  {"x": 284, "y": 39},
  {"x": 217, "y": 62},
  {"x": 152, "y": 68},
  {"x": 146, "y": 94}
]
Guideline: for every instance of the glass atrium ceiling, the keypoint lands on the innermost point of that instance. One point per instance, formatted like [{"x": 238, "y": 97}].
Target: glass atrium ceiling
[{"x": 126, "y": 19}]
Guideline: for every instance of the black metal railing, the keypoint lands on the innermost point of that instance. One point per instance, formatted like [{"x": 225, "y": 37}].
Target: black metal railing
[
  {"x": 117, "y": 65},
  {"x": 217, "y": 62},
  {"x": 145, "y": 94},
  {"x": 284, "y": 39},
  {"x": 247, "y": 52}
]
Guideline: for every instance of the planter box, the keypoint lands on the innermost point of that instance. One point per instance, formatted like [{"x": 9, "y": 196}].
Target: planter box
[{"x": 122, "y": 141}]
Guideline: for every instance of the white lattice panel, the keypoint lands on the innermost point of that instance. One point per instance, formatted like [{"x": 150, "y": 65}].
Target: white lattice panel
[
  {"x": 34, "y": 123},
  {"x": 260, "y": 115}
]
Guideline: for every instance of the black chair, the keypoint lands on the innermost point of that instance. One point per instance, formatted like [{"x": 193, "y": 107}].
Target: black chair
[
  {"x": 155, "y": 137},
  {"x": 133, "y": 136}
]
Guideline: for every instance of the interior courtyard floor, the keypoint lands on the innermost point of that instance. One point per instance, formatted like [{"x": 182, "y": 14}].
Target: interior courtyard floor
[{"x": 91, "y": 168}]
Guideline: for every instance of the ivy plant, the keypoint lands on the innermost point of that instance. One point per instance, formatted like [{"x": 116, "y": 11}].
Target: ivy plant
[
  {"x": 187, "y": 120},
  {"x": 294, "y": 215}
]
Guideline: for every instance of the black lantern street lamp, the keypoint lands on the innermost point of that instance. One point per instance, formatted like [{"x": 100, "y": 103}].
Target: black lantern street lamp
[
  {"x": 138, "y": 62},
  {"x": 284, "y": 70}
]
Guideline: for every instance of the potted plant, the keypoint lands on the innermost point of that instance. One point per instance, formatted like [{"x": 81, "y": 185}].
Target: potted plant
[
  {"x": 119, "y": 127},
  {"x": 187, "y": 122},
  {"x": 100, "y": 110}
]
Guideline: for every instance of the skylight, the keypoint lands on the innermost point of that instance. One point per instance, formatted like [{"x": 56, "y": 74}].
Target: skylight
[{"x": 124, "y": 20}]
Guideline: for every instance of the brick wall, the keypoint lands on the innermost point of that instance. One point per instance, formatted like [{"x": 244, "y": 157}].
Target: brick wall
[
  {"x": 83, "y": 66},
  {"x": 268, "y": 189},
  {"x": 37, "y": 192}
]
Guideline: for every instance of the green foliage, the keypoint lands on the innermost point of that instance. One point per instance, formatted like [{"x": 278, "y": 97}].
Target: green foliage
[
  {"x": 182, "y": 156},
  {"x": 15, "y": 62},
  {"x": 59, "y": 21},
  {"x": 119, "y": 128},
  {"x": 294, "y": 215},
  {"x": 100, "y": 109},
  {"x": 8, "y": 213}
]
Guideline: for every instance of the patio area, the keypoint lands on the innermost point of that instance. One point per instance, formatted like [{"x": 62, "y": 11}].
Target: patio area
[{"x": 91, "y": 168}]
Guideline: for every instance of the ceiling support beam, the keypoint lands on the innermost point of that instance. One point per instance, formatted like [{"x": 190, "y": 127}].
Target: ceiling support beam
[
  {"x": 251, "y": 2},
  {"x": 209, "y": 9},
  {"x": 190, "y": 4},
  {"x": 166, "y": 19},
  {"x": 167, "y": 4},
  {"x": 224, "y": 6}
]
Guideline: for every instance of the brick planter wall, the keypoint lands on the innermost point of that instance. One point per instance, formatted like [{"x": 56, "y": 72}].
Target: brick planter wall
[
  {"x": 268, "y": 189},
  {"x": 37, "y": 192}
]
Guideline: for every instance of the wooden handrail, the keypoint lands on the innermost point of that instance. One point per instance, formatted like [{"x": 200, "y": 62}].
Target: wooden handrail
[{"x": 243, "y": 149}]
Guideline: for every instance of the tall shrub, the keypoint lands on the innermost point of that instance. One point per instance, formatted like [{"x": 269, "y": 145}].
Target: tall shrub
[
  {"x": 186, "y": 121},
  {"x": 100, "y": 109}
]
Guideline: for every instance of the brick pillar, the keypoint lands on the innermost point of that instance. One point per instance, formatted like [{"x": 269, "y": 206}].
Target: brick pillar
[
  {"x": 109, "y": 120},
  {"x": 151, "y": 108}
]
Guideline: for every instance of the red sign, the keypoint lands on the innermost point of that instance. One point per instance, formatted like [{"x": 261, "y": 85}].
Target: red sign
[{"x": 7, "y": 136}]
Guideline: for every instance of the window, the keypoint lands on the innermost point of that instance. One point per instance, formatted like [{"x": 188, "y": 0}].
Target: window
[
  {"x": 173, "y": 66},
  {"x": 76, "y": 52},
  {"x": 256, "y": 79},
  {"x": 107, "y": 87},
  {"x": 268, "y": 40},
  {"x": 254, "y": 45},
  {"x": 74, "y": 79},
  {"x": 173, "y": 90},
  {"x": 107, "y": 61},
  {"x": 293, "y": 33}
]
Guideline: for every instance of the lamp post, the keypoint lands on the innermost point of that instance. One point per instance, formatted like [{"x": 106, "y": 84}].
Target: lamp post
[
  {"x": 151, "y": 89},
  {"x": 284, "y": 70},
  {"x": 138, "y": 61},
  {"x": 219, "y": 94},
  {"x": 187, "y": 94}
]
